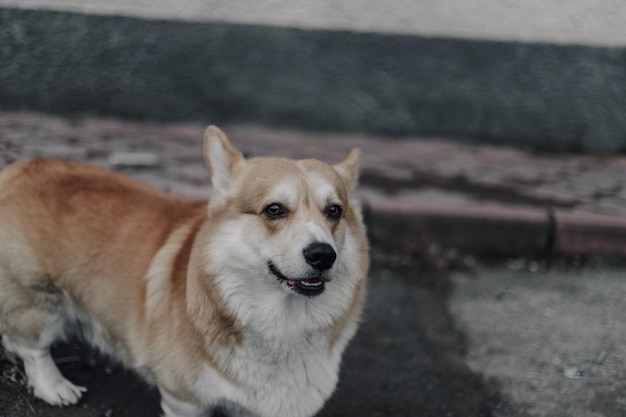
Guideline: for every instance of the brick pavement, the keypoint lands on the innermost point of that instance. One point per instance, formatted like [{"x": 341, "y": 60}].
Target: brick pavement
[{"x": 481, "y": 199}]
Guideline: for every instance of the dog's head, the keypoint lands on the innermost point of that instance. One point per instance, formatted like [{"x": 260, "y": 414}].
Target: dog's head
[{"x": 284, "y": 225}]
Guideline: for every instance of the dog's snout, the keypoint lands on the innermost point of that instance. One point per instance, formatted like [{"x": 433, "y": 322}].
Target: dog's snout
[{"x": 320, "y": 256}]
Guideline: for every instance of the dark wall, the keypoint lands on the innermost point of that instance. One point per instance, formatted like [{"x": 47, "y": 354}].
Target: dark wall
[{"x": 529, "y": 95}]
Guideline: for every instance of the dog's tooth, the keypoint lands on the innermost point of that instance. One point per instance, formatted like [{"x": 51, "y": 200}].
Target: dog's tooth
[{"x": 311, "y": 283}]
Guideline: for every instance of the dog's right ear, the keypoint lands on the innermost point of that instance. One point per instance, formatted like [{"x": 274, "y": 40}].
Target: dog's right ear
[
  {"x": 223, "y": 162},
  {"x": 348, "y": 169}
]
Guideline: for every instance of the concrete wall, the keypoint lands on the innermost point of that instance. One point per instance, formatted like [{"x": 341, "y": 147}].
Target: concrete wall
[{"x": 533, "y": 74}]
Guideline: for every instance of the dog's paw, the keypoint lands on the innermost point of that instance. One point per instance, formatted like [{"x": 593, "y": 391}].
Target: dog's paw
[{"x": 61, "y": 393}]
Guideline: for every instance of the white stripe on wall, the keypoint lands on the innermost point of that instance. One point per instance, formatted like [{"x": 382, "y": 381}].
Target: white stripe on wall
[{"x": 587, "y": 22}]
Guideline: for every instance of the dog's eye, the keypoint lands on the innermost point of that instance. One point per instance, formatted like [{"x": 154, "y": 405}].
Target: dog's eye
[
  {"x": 334, "y": 211},
  {"x": 274, "y": 211}
]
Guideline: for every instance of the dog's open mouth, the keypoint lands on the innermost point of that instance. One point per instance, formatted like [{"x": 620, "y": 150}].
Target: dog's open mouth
[{"x": 305, "y": 286}]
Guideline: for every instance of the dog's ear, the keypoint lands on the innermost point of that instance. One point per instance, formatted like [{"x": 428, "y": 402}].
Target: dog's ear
[
  {"x": 348, "y": 169},
  {"x": 222, "y": 160}
]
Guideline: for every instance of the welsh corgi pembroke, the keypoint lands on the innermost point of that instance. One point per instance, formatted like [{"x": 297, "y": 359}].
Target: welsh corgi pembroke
[{"x": 243, "y": 303}]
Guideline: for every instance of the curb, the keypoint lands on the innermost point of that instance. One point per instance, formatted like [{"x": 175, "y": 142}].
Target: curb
[
  {"x": 588, "y": 233},
  {"x": 475, "y": 230},
  {"x": 503, "y": 231}
]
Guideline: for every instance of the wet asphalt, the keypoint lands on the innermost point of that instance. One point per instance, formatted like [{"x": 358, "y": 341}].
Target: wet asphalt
[{"x": 407, "y": 359}]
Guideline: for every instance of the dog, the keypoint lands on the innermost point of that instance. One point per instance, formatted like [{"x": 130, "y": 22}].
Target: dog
[{"x": 244, "y": 303}]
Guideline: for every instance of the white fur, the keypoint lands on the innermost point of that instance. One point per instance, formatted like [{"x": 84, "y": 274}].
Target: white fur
[
  {"x": 43, "y": 375},
  {"x": 284, "y": 378},
  {"x": 173, "y": 407},
  {"x": 158, "y": 288},
  {"x": 285, "y": 359},
  {"x": 285, "y": 192}
]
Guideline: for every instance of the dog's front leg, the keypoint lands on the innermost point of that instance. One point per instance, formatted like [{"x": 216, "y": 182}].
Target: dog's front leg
[{"x": 173, "y": 407}]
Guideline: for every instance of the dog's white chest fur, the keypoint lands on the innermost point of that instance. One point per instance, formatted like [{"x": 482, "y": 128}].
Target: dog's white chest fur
[{"x": 288, "y": 379}]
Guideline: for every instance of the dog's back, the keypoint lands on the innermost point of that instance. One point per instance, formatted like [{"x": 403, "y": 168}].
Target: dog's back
[
  {"x": 98, "y": 213},
  {"x": 42, "y": 200}
]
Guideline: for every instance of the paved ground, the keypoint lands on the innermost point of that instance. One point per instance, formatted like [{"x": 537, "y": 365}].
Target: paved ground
[
  {"x": 477, "y": 199},
  {"x": 554, "y": 341},
  {"x": 444, "y": 334}
]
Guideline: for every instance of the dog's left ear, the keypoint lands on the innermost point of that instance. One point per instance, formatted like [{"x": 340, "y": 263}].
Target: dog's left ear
[
  {"x": 223, "y": 162},
  {"x": 348, "y": 169}
]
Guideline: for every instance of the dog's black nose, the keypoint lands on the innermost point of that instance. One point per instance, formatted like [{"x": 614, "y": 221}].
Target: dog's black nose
[{"x": 320, "y": 256}]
